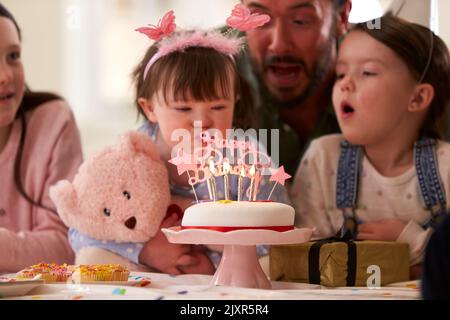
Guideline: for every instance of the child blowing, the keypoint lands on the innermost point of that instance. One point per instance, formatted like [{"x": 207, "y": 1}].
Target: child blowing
[{"x": 387, "y": 176}]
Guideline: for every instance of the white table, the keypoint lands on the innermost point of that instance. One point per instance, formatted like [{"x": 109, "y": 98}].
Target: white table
[{"x": 197, "y": 287}]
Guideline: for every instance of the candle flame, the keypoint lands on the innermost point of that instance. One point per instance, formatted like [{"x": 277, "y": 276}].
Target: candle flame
[
  {"x": 252, "y": 170},
  {"x": 226, "y": 167},
  {"x": 211, "y": 167}
]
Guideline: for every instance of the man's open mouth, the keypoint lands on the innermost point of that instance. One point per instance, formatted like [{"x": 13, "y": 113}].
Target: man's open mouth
[
  {"x": 6, "y": 96},
  {"x": 284, "y": 75}
]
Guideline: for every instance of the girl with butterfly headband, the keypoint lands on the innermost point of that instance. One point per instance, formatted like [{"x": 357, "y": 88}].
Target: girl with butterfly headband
[{"x": 184, "y": 77}]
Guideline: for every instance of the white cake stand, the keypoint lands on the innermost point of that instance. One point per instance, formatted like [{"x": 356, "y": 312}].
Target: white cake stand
[{"x": 239, "y": 266}]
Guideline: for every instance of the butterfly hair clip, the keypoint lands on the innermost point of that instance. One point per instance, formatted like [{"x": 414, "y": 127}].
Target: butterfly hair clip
[
  {"x": 242, "y": 19},
  {"x": 165, "y": 27}
]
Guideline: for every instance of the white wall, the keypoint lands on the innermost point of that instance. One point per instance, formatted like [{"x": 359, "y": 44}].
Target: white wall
[
  {"x": 42, "y": 34},
  {"x": 444, "y": 20},
  {"x": 414, "y": 10},
  {"x": 85, "y": 51}
]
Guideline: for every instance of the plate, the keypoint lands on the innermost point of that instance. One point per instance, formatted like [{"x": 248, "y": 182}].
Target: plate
[
  {"x": 237, "y": 237},
  {"x": 133, "y": 281},
  {"x": 11, "y": 287},
  {"x": 129, "y": 283},
  {"x": 98, "y": 291}
]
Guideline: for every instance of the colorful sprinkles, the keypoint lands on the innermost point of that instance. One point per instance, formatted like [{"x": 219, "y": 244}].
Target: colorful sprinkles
[
  {"x": 50, "y": 272},
  {"x": 119, "y": 291}
]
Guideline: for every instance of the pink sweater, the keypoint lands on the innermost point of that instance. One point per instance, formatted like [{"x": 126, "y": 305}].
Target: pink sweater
[{"x": 52, "y": 151}]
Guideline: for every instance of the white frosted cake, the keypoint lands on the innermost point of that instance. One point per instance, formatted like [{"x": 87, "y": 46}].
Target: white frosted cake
[{"x": 225, "y": 215}]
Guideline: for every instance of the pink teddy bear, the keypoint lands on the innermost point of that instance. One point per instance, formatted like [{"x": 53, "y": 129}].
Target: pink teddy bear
[{"x": 117, "y": 200}]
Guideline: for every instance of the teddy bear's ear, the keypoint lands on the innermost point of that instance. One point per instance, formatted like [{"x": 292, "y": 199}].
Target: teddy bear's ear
[
  {"x": 65, "y": 199},
  {"x": 139, "y": 142}
]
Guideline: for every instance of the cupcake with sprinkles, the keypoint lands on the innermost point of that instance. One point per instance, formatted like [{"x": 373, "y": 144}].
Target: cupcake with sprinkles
[
  {"x": 50, "y": 272},
  {"x": 100, "y": 272}
]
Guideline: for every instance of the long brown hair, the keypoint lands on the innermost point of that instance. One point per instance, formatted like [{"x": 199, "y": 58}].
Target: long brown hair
[
  {"x": 29, "y": 101},
  {"x": 196, "y": 71},
  {"x": 428, "y": 60}
]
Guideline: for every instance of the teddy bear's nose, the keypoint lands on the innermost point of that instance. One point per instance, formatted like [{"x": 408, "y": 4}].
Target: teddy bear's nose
[{"x": 130, "y": 223}]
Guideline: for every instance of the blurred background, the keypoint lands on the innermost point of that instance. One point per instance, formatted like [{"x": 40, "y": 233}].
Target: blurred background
[{"x": 85, "y": 50}]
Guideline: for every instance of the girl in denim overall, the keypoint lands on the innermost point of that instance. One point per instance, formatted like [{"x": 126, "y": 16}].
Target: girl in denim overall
[{"x": 387, "y": 176}]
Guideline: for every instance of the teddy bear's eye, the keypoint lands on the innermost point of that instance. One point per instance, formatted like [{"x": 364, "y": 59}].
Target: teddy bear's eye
[
  {"x": 107, "y": 212},
  {"x": 127, "y": 195}
]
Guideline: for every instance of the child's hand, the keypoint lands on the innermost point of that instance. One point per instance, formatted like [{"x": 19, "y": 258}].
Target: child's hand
[
  {"x": 160, "y": 254},
  {"x": 202, "y": 266},
  {"x": 383, "y": 230}
]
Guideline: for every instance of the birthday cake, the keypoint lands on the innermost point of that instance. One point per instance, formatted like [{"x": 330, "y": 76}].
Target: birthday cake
[
  {"x": 228, "y": 215},
  {"x": 245, "y": 213}
]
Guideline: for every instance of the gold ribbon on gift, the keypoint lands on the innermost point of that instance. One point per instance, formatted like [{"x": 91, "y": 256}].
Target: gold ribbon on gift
[{"x": 339, "y": 263}]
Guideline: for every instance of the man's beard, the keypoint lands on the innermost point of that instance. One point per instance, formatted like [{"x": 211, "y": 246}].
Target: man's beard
[{"x": 316, "y": 77}]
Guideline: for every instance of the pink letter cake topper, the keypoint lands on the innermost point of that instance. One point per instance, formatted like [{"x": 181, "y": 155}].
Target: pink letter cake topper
[{"x": 223, "y": 157}]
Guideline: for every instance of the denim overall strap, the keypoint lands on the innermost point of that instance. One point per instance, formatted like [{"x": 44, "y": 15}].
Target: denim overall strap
[
  {"x": 347, "y": 181},
  {"x": 430, "y": 184}
]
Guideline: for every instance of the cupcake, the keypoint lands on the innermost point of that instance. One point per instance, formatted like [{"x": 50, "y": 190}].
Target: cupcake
[
  {"x": 49, "y": 272},
  {"x": 100, "y": 272}
]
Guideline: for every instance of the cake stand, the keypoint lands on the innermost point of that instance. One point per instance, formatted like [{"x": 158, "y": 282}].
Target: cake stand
[{"x": 239, "y": 266}]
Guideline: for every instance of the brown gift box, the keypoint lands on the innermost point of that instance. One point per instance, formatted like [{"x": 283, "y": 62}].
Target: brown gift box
[{"x": 327, "y": 261}]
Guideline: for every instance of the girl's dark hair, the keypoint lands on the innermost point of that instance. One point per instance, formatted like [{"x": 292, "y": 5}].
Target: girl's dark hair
[
  {"x": 200, "y": 72},
  {"x": 339, "y": 3},
  {"x": 428, "y": 60},
  {"x": 6, "y": 14},
  {"x": 29, "y": 101}
]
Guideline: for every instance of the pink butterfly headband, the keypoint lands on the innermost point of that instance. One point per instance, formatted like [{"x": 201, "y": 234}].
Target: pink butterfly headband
[{"x": 240, "y": 19}]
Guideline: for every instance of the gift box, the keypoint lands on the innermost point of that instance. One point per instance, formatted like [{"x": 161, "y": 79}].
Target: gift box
[{"x": 340, "y": 263}]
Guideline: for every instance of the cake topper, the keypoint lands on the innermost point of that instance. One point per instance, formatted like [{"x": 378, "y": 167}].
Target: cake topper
[
  {"x": 217, "y": 157},
  {"x": 279, "y": 176}
]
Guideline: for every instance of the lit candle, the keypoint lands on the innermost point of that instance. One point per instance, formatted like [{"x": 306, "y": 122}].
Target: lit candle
[
  {"x": 226, "y": 170},
  {"x": 252, "y": 180},
  {"x": 208, "y": 183},
  {"x": 256, "y": 185},
  {"x": 193, "y": 189},
  {"x": 212, "y": 180},
  {"x": 242, "y": 175}
]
